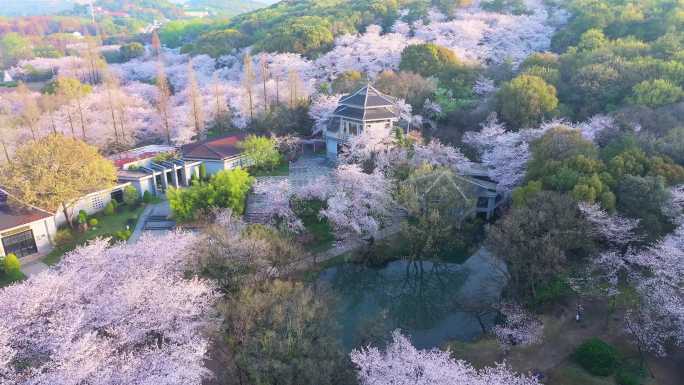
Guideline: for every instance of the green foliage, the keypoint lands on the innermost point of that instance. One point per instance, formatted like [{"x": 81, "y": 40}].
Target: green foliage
[
  {"x": 14, "y": 47},
  {"x": 282, "y": 332},
  {"x": 262, "y": 151},
  {"x": 526, "y": 100},
  {"x": 82, "y": 217},
  {"x": 203, "y": 172},
  {"x": 413, "y": 87},
  {"x": 555, "y": 291},
  {"x": 215, "y": 43},
  {"x": 132, "y": 50},
  {"x": 68, "y": 87},
  {"x": 92, "y": 222},
  {"x": 63, "y": 237},
  {"x": 537, "y": 241},
  {"x": 643, "y": 198},
  {"x": 123, "y": 235},
  {"x": 348, "y": 81},
  {"x": 429, "y": 60},
  {"x": 616, "y": 52},
  {"x": 131, "y": 196},
  {"x": 597, "y": 357},
  {"x": 522, "y": 194},
  {"x": 564, "y": 161},
  {"x": 284, "y": 119},
  {"x": 305, "y": 35},
  {"x": 109, "y": 209},
  {"x": 228, "y": 189},
  {"x": 147, "y": 197},
  {"x": 11, "y": 264},
  {"x": 656, "y": 93}
]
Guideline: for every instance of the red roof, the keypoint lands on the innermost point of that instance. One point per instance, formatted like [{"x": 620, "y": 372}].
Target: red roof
[
  {"x": 15, "y": 214},
  {"x": 123, "y": 161},
  {"x": 213, "y": 149}
]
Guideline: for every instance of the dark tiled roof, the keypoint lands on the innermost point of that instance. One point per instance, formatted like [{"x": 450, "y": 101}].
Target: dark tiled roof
[
  {"x": 367, "y": 97},
  {"x": 213, "y": 149},
  {"x": 14, "y": 214},
  {"x": 349, "y": 112},
  {"x": 379, "y": 114}
]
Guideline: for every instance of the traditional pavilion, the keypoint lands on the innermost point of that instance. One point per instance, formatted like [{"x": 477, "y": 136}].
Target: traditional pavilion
[{"x": 365, "y": 110}]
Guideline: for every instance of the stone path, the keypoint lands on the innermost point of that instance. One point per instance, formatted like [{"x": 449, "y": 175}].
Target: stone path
[
  {"x": 33, "y": 268},
  {"x": 155, "y": 218},
  {"x": 302, "y": 171}
]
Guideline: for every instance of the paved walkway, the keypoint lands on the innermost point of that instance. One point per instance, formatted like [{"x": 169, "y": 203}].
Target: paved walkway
[
  {"x": 154, "y": 218},
  {"x": 33, "y": 268},
  {"x": 302, "y": 172}
]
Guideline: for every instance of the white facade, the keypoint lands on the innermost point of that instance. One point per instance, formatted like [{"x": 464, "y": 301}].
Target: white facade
[
  {"x": 43, "y": 230},
  {"x": 92, "y": 203}
]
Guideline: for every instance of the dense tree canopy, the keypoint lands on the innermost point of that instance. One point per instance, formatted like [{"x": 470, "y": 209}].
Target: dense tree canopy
[{"x": 526, "y": 100}]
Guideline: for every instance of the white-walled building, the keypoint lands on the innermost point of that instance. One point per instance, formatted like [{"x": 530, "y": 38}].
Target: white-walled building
[
  {"x": 366, "y": 110},
  {"x": 154, "y": 169},
  {"x": 24, "y": 230}
]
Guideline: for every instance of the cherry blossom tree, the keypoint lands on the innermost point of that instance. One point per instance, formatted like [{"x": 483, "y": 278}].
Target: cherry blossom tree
[
  {"x": 321, "y": 108},
  {"x": 110, "y": 315},
  {"x": 360, "y": 203},
  {"x": 437, "y": 154},
  {"x": 402, "y": 364},
  {"x": 505, "y": 154},
  {"x": 521, "y": 328},
  {"x": 276, "y": 210}
]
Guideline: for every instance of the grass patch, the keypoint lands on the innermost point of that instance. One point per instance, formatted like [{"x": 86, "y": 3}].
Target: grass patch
[
  {"x": 572, "y": 374},
  {"x": 283, "y": 169},
  {"x": 8, "y": 279},
  {"x": 106, "y": 227}
]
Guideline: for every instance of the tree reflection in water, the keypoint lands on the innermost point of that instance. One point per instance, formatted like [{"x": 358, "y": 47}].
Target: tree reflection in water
[{"x": 431, "y": 301}]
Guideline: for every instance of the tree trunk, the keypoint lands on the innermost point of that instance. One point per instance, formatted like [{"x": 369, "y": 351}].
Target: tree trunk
[
  {"x": 80, "y": 113},
  {"x": 4, "y": 148},
  {"x": 68, "y": 218},
  {"x": 71, "y": 122}
]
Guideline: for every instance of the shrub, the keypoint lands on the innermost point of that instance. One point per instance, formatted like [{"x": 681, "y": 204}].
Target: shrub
[
  {"x": 123, "y": 235},
  {"x": 63, "y": 237},
  {"x": 147, "y": 197},
  {"x": 109, "y": 209},
  {"x": 597, "y": 357},
  {"x": 92, "y": 222},
  {"x": 82, "y": 217},
  {"x": 11, "y": 264},
  {"x": 624, "y": 377},
  {"x": 131, "y": 197}
]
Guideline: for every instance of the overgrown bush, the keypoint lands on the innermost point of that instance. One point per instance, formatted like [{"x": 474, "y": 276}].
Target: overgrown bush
[
  {"x": 147, "y": 197},
  {"x": 109, "y": 209},
  {"x": 131, "y": 197},
  {"x": 597, "y": 357},
  {"x": 63, "y": 237},
  {"x": 11, "y": 264},
  {"x": 123, "y": 235}
]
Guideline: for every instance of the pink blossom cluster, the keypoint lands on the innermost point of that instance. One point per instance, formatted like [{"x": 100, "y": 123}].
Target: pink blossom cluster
[
  {"x": 402, "y": 364},
  {"x": 119, "y": 314},
  {"x": 521, "y": 327}
]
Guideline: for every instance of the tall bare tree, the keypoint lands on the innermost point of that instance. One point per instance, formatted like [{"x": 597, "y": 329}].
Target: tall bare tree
[
  {"x": 195, "y": 99},
  {"x": 294, "y": 81},
  {"x": 163, "y": 99},
  {"x": 263, "y": 64},
  {"x": 30, "y": 111},
  {"x": 156, "y": 44},
  {"x": 221, "y": 110},
  {"x": 248, "y": 82}
]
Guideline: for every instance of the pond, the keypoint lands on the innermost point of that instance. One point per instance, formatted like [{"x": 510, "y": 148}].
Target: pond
[{"x": 432, "y": 302}]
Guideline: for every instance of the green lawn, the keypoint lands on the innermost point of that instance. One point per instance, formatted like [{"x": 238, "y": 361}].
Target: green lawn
[
  {"x": 8, "y": 279},
  {"x": 106, "y": 227},
  {"x": 283, "y": 169}
]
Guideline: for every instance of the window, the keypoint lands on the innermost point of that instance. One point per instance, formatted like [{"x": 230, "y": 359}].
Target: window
[
  {"x": 20, "y": 244},
  {"x": 97, "y": 203}
]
